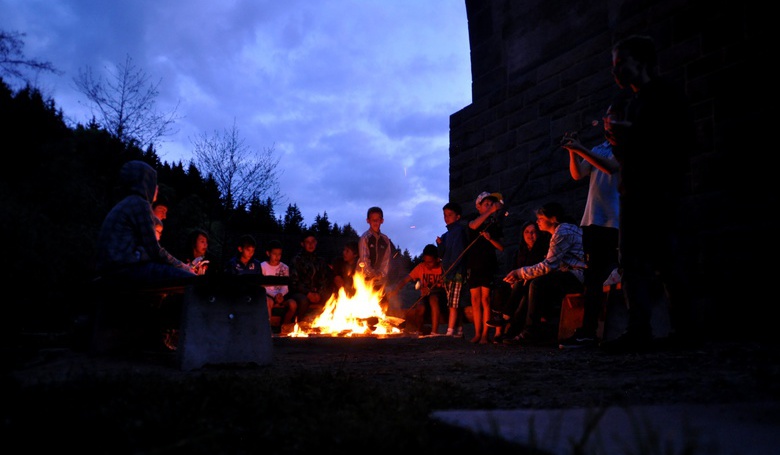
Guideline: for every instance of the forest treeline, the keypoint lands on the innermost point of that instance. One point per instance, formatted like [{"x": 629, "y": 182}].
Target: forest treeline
[{"x": 60, "y": 181}]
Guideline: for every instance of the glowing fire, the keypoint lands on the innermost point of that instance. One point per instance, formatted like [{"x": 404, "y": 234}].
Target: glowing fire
[{"x": 358, "y": 315}]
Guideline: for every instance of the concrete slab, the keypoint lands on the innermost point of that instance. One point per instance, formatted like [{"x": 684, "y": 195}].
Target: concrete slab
[
  {"x": 723, "y": 429},
  {"x": 226, "y": 323}
]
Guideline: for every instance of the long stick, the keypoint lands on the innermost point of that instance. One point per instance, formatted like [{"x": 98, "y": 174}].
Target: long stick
[{"x": 489, "y": 221}]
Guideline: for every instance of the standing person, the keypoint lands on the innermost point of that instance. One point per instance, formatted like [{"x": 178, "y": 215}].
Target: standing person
[
  {"x": 452, "y": 247},
  {"x": 309, "y": 278},
  {"x": 653, "y": 144},
  {"x": 486, "y": 234},
  {"x": 560, "y": 273},
  {"x": 278, "y": 295},
  {"x": 432, "y": 293},
  {"x": 600, "y": 224},
  {"x": 375, "y": 249},
  {"x": 510, "y": 316},
  {"x": 343, "y": 268}
]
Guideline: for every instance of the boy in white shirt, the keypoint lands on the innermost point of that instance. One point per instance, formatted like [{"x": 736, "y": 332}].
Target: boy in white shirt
[{"x": 278, "y": 294}]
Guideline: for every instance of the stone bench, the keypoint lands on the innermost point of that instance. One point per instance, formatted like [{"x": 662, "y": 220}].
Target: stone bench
[{"x": 223, "y": 318}]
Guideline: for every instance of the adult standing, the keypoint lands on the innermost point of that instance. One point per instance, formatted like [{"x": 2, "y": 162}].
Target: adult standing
[
  {"x": 600, "y": 223},
  {"x": 653, "y": 144}
]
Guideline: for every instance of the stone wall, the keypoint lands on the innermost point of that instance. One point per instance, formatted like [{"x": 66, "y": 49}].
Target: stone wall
[{"x": 542, "y": 67}]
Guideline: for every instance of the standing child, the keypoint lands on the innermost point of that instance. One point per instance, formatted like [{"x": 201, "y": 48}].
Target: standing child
[
  {"x": 485, "y": 235},
  {"x": 452, "y": 247},
  {"x": 278, "y": 294},
  {"x": 375, "y": 250},
  {"x": 432, "y": 293},
  {"x": 374, "y": 247}
]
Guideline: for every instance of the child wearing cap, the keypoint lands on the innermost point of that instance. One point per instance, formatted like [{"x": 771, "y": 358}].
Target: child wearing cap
[{"x": 485, "y": 235}]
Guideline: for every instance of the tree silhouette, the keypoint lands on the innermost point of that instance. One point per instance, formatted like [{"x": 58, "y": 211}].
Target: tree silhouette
[
  {"x": 13, "y": 63},
  {"x": 293, "y": 220},
  {"x": 242, "y": 174},
  {"x": 125, "y": 104}
]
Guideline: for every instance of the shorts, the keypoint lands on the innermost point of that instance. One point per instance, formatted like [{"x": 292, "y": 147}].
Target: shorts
[
  {"x": 452, "y": 289},
  {"x": 479, "y": 278}
]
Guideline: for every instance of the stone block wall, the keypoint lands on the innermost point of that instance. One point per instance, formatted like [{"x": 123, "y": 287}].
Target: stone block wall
[{"x": 542, "y": 67}]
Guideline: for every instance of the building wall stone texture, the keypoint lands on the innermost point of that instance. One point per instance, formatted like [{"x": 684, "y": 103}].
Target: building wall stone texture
[{"x": 542, "y": 67}]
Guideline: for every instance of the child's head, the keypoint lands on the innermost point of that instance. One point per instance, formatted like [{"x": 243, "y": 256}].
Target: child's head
[
  {"x": 452, "y": 212},
  {"x": 160, "y": 208},
  {"x": 430, "y": 256},
  {"x": 246, "y": 247},
  {"x": 274, "y": 252},
  {"x": 549, "y": 216},
  {"x": 199, "y": 242},
  {"x": 375, "y": 217},
  {"x": 350, "y": 251},
  {"x": 309, "y": 241},
  {"x": 486, "y": 200}
]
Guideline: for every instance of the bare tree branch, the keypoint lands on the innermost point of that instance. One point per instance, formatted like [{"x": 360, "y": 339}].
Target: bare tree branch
[
  {"x": 13, "y": 63},
  {"x": 125, "y": 104},
  {"x": 241, "y": 173}
]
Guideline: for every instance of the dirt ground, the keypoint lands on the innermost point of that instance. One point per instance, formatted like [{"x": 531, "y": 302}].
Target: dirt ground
[{"x": 503, "y": 377}]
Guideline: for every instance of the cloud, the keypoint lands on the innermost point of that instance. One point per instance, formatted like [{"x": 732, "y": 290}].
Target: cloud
[{"x": 353, "y": 95}]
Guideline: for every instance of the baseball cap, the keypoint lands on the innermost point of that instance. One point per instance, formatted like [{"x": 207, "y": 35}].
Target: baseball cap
[{"x": 484, "y": 194}]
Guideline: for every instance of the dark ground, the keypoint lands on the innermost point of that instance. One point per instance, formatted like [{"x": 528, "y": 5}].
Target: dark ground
[
  {"x": 347, "y": 394},
  {"x": 501, "y": 376}
]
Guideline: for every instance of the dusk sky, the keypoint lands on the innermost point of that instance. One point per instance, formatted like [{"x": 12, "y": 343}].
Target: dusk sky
[{"x": 353, "y": 96}]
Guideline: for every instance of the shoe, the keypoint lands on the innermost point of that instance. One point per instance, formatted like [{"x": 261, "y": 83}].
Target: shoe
[
  {"x": 497, "y": 320},
  {"x": 498, "y": 339},
  {"x": 628, "y": 343},
  {"x": 577, "y": 341}
]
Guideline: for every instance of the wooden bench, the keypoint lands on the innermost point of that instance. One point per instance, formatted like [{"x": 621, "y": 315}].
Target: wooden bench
[{"x": 223, "y": 318}]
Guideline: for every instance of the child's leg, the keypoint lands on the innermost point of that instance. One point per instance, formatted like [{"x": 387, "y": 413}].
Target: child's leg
[
  {"x": 289, "y": 314},
  {"x": 270, "y": 302},
  {"x": 476, "y": 313},
  {"x": 485, "y": 296},
  {"x": 435, "y": 313}
]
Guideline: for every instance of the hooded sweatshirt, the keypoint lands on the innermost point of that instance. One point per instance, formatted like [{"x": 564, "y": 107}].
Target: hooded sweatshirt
[{"x": 127, "y": 236}]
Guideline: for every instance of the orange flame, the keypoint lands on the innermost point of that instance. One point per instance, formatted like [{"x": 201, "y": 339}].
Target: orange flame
[{"x": 357, "y": 315}]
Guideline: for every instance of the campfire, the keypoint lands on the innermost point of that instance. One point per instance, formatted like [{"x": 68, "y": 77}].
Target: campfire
[{"x": 351, "y": 316}]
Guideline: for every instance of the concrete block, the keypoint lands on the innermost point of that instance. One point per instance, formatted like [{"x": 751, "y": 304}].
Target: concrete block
[{"x": 225, "y": 323}]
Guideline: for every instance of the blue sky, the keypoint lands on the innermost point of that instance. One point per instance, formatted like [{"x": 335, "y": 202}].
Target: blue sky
[{"x": 353, "y": 96}]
